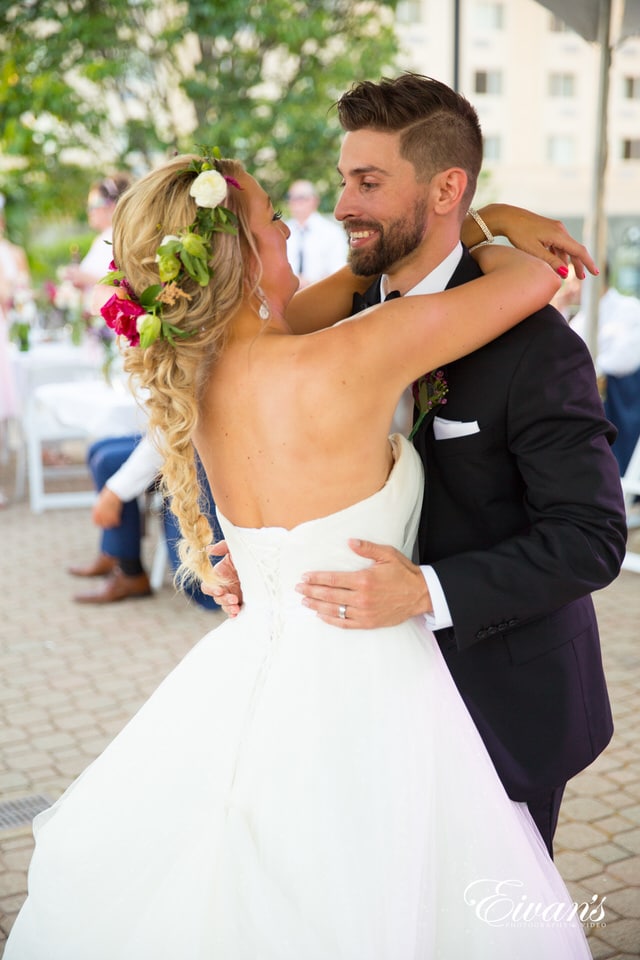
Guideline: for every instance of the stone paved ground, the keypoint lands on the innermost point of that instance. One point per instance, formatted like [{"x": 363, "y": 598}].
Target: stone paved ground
[{"x": 70, "y": 677}]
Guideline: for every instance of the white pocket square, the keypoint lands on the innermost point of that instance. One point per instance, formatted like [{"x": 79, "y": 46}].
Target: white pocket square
[{"x": 448, "y": 429}]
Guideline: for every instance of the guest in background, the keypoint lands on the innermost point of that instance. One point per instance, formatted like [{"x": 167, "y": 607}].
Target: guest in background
[
  {"x": 173, "y": 536},
  {"x": 101, "y": 202},
  {"x": 317, "y": 245},
  {"x": 618, "y": 362},
  {"x": 123, "y": 468}
]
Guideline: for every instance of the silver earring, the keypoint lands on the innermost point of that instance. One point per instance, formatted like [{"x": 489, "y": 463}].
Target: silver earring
[{"x": 263, "y": 311}]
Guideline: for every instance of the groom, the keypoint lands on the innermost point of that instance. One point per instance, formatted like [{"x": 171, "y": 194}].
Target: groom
[{"x": 523, "y": 515}]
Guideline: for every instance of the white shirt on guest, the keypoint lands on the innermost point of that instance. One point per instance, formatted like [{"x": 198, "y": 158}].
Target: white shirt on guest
[
  {"x": 99, "y": 256},
  {"x": 618, "y": 352},
  {"x": 323, "y": 244},
  {"x": 95, "y": 263},
  {"x": 137, "y": 472}
]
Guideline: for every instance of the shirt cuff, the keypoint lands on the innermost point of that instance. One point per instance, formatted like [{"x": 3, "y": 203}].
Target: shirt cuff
[
  {"x": 137, "y": 472},
  {"x": 440, "y": 616}
]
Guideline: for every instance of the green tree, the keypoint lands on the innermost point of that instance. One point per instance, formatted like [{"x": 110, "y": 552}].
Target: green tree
[
  {"x": 70, "y": 72},
  {"x": 266, "y": 74},
  {"x": 87, "y": 86}
]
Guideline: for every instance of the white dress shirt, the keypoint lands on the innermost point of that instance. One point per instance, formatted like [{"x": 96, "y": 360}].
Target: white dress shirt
[{"x": 434, "y": 282}]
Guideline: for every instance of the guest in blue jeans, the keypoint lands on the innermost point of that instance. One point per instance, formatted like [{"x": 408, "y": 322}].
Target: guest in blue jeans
[
  {"x": 173, "y": 536},
  {"x": 122, "y": 469}
]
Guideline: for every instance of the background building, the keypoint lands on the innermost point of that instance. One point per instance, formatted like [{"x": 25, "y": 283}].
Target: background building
[{"x": 534, "y": 83}]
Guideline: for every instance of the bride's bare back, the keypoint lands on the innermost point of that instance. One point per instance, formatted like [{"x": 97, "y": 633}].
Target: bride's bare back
[
  {"x": 295, "y": 427},
  {"x": 284, "y": 439}
]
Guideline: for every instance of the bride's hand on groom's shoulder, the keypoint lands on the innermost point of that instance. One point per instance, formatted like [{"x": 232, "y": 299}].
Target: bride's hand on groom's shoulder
[
  {"x": 226, "y": 591},
  {"x": 384, "y": 594}
]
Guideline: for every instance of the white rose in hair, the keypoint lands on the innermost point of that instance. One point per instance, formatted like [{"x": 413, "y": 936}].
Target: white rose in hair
[{"x": 209, "y": 188}]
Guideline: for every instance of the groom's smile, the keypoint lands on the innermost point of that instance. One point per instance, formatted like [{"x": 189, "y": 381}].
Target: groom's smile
[
  {"x": 359, "y": 233},
  {"x": 381, "y": 205}
]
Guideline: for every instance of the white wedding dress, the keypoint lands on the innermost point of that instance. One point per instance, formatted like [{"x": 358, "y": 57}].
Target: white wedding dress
[{"x": 294, "y": 791}]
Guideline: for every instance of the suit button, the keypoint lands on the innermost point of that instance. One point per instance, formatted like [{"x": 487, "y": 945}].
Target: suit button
[
  {"x": 491, "y": 631},
  {"x": 502, "y": 626},
  {"x": 512, "y": 623},
  {"x": 481, "y": 635}
]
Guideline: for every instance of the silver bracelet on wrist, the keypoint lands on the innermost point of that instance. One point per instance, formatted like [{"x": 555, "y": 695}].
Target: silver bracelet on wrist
[{"x": 489, "y": 238}]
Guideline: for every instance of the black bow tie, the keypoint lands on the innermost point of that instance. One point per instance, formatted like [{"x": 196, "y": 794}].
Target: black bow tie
[{"x": 370, "y": 297}]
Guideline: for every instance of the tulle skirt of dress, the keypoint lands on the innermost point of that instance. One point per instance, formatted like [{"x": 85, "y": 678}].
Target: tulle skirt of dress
[{"x": 296, "y": 792}]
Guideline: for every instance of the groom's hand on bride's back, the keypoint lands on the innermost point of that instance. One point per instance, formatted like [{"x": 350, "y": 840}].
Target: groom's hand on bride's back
[
  {"x": 228, "y": 594},
  {"x": 389, "y": 591}
]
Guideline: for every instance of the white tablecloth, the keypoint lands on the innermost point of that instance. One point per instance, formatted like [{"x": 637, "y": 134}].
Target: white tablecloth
[
  {"x": 92, "y": 407},
  {"x": 55, "y": 362}
]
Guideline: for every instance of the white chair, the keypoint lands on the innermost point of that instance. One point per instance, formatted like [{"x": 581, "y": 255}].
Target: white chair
[
  {"x": 40, "y": 429},
  {"x": 159, "y": 563},
  {"x": 150, "y": 504}
]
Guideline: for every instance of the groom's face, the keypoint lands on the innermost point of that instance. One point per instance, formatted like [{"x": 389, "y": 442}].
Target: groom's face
[{"x": 382, "y": 206}]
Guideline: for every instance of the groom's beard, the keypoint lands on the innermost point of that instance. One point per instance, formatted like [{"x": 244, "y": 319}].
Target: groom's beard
[{"x": 393, "y": 244}]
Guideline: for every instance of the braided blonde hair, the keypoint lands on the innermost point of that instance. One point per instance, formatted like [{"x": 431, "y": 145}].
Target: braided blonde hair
[{"x": 174, "y": 375}]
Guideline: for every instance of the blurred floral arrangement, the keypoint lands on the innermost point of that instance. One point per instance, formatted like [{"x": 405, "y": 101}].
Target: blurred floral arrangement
[
  {"x": 67, "y": 301},
  {"x": 22, "y": 314},
  {"x": 57, "y": 310}
]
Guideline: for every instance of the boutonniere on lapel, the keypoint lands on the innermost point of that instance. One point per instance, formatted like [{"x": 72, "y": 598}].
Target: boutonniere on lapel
[{"x": 428, "y": 392}]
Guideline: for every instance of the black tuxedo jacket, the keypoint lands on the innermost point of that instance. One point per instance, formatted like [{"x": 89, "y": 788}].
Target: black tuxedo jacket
[{"x": 521, "y": 521}]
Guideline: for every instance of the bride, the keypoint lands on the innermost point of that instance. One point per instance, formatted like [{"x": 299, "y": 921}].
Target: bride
[{"x": 289, "y": 792}]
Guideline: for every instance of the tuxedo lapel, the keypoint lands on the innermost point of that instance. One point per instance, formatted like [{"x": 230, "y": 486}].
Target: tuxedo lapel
[
  {"x": 427, "y": 420},
  {"x": 466, "y": 270},
  {"x": 370, "y": 298}
]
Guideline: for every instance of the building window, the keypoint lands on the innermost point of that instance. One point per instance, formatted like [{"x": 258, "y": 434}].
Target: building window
[
  {"x": 631, "y": 149},
  {"x": 492, "y": 149},
  {"x": 409, "y": 11},
  {"x": 487, "y": 81},
  {"x": 561, "y": 150},
  {"x": 631, "y": 88},
  {"x": 556, "y": 25},
  {"x": 488, "y": 16},
  {"x": 562, "y": 85}
]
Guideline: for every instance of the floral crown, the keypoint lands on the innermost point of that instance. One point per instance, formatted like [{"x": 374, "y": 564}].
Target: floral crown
[{"x": 179, "y": 258}]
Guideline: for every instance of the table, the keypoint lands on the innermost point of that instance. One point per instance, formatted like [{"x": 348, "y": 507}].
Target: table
[
  {"x": 92, "y": 407},
  {"x": 53, "y": 362}
]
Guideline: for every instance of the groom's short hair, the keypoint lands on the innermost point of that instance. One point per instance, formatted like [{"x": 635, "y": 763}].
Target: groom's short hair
[{"x": 438, "y": 127}]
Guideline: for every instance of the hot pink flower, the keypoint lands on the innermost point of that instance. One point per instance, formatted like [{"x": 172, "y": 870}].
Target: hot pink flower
[
  {"x": 121, "y": 315},
  {"x": 233, "y": 182}
]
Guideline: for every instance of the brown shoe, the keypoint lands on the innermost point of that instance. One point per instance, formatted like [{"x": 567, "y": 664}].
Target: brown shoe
[
  {"x": 101, "y": 566},
  {"x": 119, "y": 587}
]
